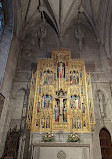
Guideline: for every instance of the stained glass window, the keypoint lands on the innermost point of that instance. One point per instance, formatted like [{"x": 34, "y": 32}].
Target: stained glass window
[{"x": 1, "y": 18}]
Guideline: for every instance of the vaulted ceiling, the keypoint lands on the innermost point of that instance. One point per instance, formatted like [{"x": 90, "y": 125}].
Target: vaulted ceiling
[{"x": 61, "y": 14}]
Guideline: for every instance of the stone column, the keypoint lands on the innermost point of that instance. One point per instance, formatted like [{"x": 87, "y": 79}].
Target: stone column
[{"x": 4, "y": 125}]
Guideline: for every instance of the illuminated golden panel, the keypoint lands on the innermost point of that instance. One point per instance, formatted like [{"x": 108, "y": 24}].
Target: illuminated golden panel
[{"x": 61, "y": 95}]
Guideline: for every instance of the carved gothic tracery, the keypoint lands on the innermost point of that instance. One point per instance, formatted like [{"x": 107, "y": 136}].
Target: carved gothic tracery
[
  {"x": 61, "y": 155},
  {"x": 62, "y": 98}
]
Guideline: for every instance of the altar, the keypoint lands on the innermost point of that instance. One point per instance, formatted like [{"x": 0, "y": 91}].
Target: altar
[
  {"x": 59, "y": 152},
  {"x": 61, "y": 102},
  {"x": 60, "y": 149}
]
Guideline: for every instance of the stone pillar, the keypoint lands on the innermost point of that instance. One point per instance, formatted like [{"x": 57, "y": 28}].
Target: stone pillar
[
  {"x": 103, "y": 58},
  {"x": 4, "y": 125}
]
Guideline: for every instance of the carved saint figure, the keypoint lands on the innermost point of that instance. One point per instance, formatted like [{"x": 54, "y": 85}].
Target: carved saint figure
[
  {"x": 56, "y": 114},
  {"x": 74, "y": 123},
  {"x": 79, "y": 102},
  {"x": 81, "y": 89},
  {"x": 50, "y": 101},
  {"x": 42, "y": 33},
  {"x": 76, "y": 103},
  {"x": 47, "y": 103},
  {"x": 61, "y": 71},
  {"x": 43, "y": 122},
  {"x": 74, "y": 77},
  {"x": 42, "y": 105},
  {"x": 78, "y": 123},
  {"x": 44, "y": 101},
  {"x": 101, "y": 103},
  {"x": 71, "y": 102},
  {"x": 54, "y": 76},
  {"x": 38, "y": 107},
  {"x": 51, "y": 77},
  {"x": 83, "y": 108},
  {"x": 67, "y": 77},
  {"x": 65, "y": 113},
  {"x": 84, "y": 124},
  {"x": 37, "y": 123},
  {"x": 40, "y": 89},
  {"x": 80, "y": 74},
  {"x": 77, "y": 78},
  {"x": 48, "y": 122},
  {"x": 80, "y": 36}
]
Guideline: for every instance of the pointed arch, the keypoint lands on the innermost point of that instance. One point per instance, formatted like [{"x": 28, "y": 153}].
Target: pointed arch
[{"x": 105, "y": 143}]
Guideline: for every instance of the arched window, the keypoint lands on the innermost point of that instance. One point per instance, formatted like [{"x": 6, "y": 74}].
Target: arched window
[
  {"x": 1, "y": 17},
  {"x": 105, "y": 143}
]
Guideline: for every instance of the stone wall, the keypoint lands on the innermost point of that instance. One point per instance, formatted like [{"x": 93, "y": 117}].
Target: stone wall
[
  {"x": 95, "y": 60},
  {"x": 5, "y": 90}
]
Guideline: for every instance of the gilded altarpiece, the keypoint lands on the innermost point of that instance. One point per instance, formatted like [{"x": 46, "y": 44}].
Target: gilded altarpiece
[{"x": 61, "y": 95}]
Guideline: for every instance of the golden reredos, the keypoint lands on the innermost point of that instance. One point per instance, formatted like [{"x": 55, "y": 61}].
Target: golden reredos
[{"x": 61, "y": 95}]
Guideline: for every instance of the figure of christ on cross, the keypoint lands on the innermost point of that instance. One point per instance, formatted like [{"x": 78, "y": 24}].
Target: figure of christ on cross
[
  {"x": 61, "y": 105},
  {"x": 58, "y": 109}
]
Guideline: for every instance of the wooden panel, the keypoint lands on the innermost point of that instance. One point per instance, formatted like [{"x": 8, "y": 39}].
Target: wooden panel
[{"x": 105, "y": 143}]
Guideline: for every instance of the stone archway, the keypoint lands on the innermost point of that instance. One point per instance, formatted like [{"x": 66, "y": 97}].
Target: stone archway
[{"x": 105, "y": 144}]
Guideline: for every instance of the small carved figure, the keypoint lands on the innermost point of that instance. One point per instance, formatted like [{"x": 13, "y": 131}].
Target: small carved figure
[
  {"x": 41, "y": 74},
  {"x": 39, "y": 89},
  {"x": 101, "y": 103},
  {"x": 71, "y": 102},
  {"x": 56, "y": 114},
  {"x": 74, "y": 123},
  {"x": 78, "y": 123},
  {"x": 67, "y": 76},
  {"x": 84, "y": 124},
  {"x": 43, "y": 122},
  {"x": 42, "y": 33},
  {"x": 54, "y": 76},
  {"x": 80, "y": 36},
  {"x": 80, "y": 74},
  {"x": 37, "y": 123},
  {"x": 83, "y": 108},
  {"x": 79, "y": 102},
  {"x": 61, "y": 71},
  {"x": 42, "y": 105},
  {"x": 65, "y": 113},
  {"x": 81, "y": 89},
  {"x": 38, "y": 107},
  {"x": 48, "y": 122},
  {"x": 76, "y": 103}
]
